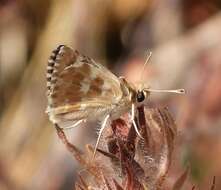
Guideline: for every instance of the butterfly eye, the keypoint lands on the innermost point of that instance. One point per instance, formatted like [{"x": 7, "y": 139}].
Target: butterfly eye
[{"x": 140, "y": 96}]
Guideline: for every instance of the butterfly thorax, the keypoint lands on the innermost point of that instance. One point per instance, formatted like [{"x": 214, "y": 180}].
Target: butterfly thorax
[
  {"x": 136, "y": 96},
  {"x": 128, "y": 90}
]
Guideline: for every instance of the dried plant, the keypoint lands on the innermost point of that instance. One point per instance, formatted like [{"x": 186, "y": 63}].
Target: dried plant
[{"x": 124, "y": 161}]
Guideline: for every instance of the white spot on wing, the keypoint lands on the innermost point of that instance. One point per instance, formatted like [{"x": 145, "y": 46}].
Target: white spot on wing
[
  {"x": 83, "y": 106},
  {"x": 85, "y": 86},
  {"x": 77, "y": 64},
  {"x": 48, "y": 75},
  {"x": 50, "y": 61},
  {"x": 56, "y": 64},
  {"x": 50, "y": 67},
  {"x": 106, "y": 86},
  {"x": 93, "y": 73}
]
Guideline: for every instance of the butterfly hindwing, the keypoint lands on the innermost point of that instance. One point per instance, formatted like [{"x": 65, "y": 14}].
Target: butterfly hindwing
[{"x": 78, "y": 86}]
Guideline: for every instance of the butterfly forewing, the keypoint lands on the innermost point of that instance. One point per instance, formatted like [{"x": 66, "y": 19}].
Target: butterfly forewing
[{"x": 77, "y": 86}]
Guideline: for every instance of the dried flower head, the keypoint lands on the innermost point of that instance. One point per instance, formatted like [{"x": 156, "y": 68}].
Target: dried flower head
[{"x": 124, "y": 160}]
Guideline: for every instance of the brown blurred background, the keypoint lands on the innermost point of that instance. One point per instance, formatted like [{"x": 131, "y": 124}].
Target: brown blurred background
[{"x": 185, "y": 38}]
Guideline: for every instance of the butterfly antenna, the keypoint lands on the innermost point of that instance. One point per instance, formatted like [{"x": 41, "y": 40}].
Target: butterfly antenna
[
  {"x": 177, "y": 91},
  {"x": 144, "y": 65}
]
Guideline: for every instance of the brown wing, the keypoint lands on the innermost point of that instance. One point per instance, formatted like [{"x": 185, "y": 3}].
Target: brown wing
[{"x": 76, "y": 82}]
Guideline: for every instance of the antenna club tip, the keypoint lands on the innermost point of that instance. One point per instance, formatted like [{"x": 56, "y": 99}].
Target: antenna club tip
[
  {"x": 181, "y": 91},
  {"x": 177, "y": 91}
]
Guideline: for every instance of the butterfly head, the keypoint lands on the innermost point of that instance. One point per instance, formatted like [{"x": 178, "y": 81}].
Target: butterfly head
[{"x": 141, "y": 96}]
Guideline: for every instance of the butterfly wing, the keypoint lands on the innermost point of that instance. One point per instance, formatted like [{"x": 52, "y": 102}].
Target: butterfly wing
[{"x": 78, "y": 87}]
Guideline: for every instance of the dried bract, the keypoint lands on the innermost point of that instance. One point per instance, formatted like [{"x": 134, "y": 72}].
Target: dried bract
[{"x": 124, "y": 160}]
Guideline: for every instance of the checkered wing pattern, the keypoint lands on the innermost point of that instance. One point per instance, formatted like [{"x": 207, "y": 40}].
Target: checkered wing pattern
[{"x": 78, "y": 86}]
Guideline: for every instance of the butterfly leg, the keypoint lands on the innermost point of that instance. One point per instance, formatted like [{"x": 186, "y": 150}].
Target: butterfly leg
[
  {"x": 100, "y": 133},
  {"x": 133, "y": 120}
]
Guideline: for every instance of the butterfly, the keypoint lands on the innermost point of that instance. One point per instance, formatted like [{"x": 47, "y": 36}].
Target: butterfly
[{"x": 80, "y": 90}]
